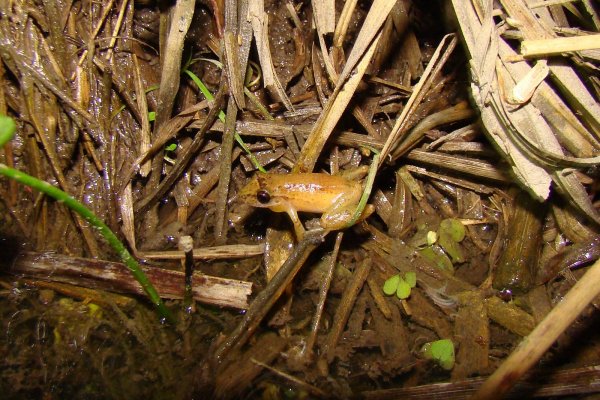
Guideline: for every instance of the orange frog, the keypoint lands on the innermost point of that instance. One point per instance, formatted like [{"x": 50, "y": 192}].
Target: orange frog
[{"x": 335, "y": 197}]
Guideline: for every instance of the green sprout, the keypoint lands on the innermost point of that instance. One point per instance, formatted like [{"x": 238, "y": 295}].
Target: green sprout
[
  {"x": 450, "y": 234},
  {"x": 391, "y": 285},
  {"x": 364, "y": 198},
  {"x": 237, "y": 136},
  {"x": 431, "y": 237},
  {"x": 440, "y": 351},
  {"x": 443, "y": 247},
  {"x": 7, "y": 131},
  {"x": 171, "y": 147},
  {"x": 403, "y": 291},
  {"x": 400, "y": 285},
  {"x": 411, "y": 279}
]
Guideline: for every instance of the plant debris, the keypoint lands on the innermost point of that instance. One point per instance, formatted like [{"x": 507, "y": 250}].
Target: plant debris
[{"x": 478, "y": 123}]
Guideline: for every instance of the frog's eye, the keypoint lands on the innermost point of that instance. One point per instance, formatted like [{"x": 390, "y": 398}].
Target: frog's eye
[{"x": 263, "y": 196}]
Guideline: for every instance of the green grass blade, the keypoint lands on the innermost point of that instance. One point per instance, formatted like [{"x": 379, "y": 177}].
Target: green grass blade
[
  {"x": 237, "y": 136},
  {"x": 6, "y": 133}
]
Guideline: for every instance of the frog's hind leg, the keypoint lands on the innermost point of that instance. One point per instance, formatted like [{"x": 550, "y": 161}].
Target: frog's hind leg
[
  {"x": 366, "y": 213},
  {"x": 369, "y": 209},
  {"x": 343, "y": 219}
]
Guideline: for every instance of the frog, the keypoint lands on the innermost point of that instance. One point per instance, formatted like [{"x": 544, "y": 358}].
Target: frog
[{"x": 335, "y": 197}]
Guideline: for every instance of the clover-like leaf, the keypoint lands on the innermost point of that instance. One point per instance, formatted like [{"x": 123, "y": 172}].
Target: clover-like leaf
[{"x": 391, "y": 285}]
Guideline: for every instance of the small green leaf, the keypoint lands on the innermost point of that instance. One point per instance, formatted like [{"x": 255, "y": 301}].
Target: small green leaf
[
  {"x": 7, "y": 129},
  {"x": 436, "y": 255},
  {"x": 431, "y": 237},
  {"x": 454, "y": 227},
  {"x": 441, "y": 351},
  {"x": 391, "y": 285},
  {"x": 171, "y": 147},
  {"x": 403, "y": 291},
  {"x": 411, "y": 279},
  {"x": 151, "y": 116}
]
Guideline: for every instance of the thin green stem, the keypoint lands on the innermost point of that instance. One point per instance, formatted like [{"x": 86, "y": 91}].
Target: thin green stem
[
  {"x": 7, "y": 130},
  {"x": 364, "y": 198},
  {"x": 237, "y": 136}
]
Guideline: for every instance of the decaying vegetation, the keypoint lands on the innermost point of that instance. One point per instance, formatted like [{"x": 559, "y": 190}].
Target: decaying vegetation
[{"x": 478, "y": 122}]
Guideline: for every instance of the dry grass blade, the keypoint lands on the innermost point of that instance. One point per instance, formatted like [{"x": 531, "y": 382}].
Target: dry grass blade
[
  {"x": 225, "y": 172},
  {"x": 342, "y": 26},
  {"x": 235, "y": 66},
  {"x": 324, "y": 15},
  {"x": 419, "y": 91},
  {"x": 331, "y": 115},
  {"x": 180, "y": 20},
  {"x": 260, "y": 24},
  {"x": 361, "y": 53},
  {"x": 378, "y": 13},
  {"x": 127, "y": 216},
  {"x": 140, "y": 97}
]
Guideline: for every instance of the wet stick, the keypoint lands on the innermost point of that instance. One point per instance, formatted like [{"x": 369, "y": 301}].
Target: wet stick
[
  {"x": 324, "y": 290},
  {"x": 517, "y": 266},
  {"x": 345, "y": 308},
  {"x": 535, "y": 345},
  {"x": 7, "y": 130},
  {"x": 265, "y": 299}
]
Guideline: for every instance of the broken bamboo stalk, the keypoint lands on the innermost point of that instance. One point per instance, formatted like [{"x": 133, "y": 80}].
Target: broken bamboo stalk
[
  {"x": 545, "y": 47},
  {"x": 115, "y": 277}
]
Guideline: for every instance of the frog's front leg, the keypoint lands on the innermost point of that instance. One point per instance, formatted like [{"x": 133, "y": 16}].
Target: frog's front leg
[{"x": 298, "y": 227}]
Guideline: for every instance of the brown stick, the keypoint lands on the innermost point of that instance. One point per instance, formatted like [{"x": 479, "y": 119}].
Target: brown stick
[
  {"x": 553, "y": 384},
  {"x": 535, "y": 345},
  {"x": 112, "y": 276},
  {"x": 265, "y": 299},
  {"x": 343, "y": 311},
  {"x": 324, "y": 290}
]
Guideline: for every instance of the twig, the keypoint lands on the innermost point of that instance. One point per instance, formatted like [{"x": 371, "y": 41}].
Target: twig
[
  {"x": 544, "y": 47},
  {"x": 535, "y": 345},
  {"x": 310, "y": 342},
  {"x": 345, "y": 307},
  {"x": 209, "y": 253},
  {"x": 113, "y": 276},
  {"x": 265, "y": 299}
]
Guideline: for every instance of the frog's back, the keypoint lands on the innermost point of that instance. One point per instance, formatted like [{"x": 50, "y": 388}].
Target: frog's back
[
  {"x": 309, "y": 192},
  {"x": 308, "y": 183}
]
